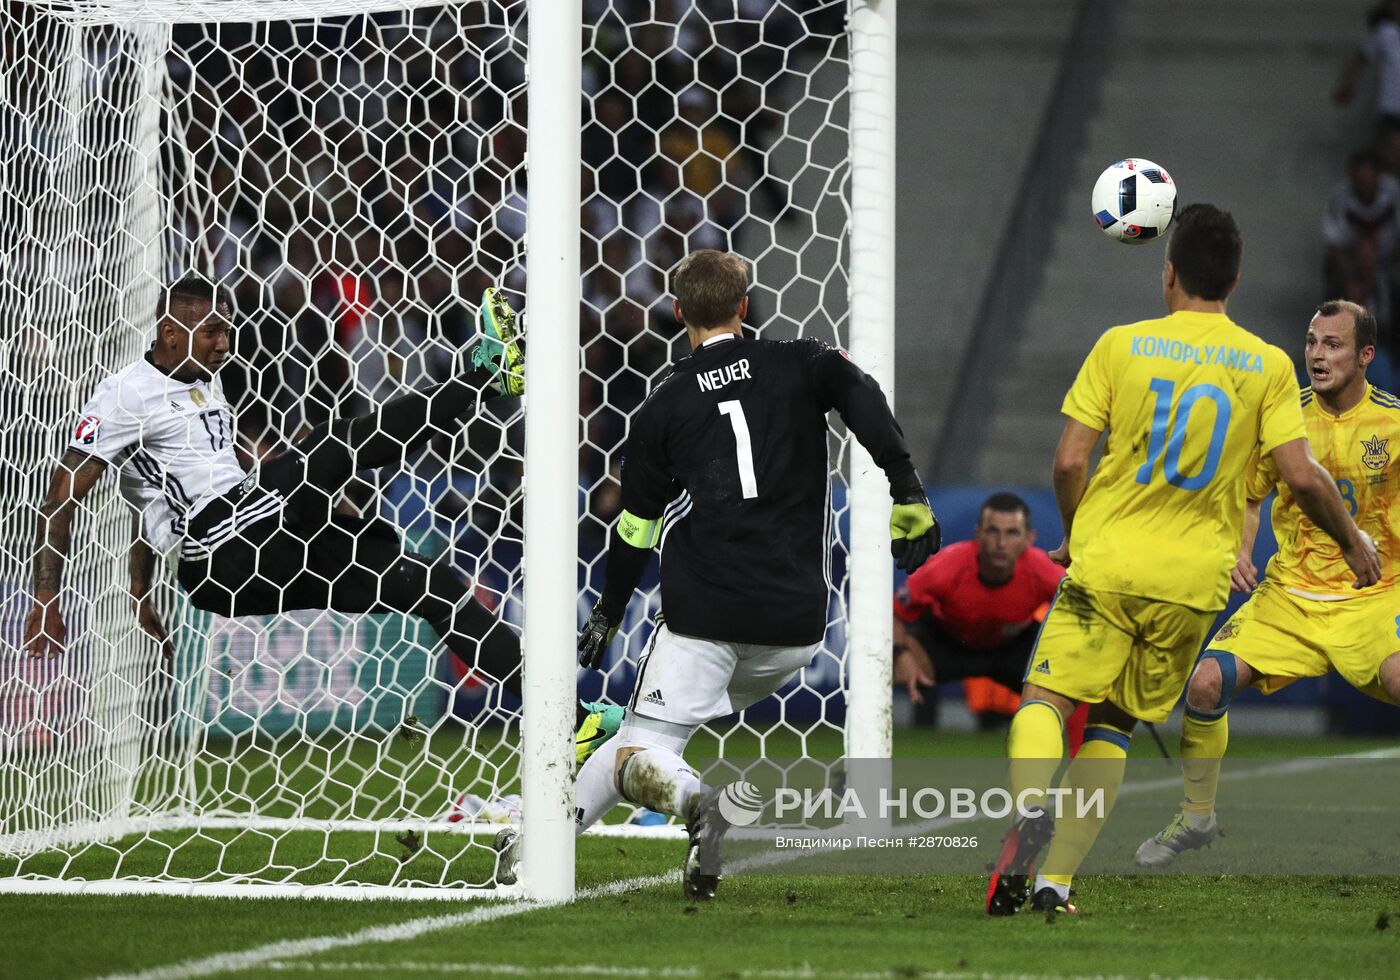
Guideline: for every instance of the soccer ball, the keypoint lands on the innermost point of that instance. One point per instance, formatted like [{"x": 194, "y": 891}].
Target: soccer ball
[{"x": 1134, "y": 201}]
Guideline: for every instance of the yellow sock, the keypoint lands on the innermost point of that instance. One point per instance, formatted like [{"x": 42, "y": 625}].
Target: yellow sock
[
  {"x": 1035, "y": 747},
  {"x": 1203, "y": 742},
  {"x": 1099, "y": 766}
]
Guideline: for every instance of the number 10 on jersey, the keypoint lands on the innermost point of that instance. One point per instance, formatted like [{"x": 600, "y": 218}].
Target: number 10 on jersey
[
  {"x": 1169, "y": 418},
  {"x": 743, "y": 447}
]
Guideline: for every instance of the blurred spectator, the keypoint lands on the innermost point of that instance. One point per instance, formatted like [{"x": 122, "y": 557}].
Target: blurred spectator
[
  {"x": 1382, "y": 49},
  {"x": 1364, "y": 208},
  {"x": 1388, "y": 149},
  {"x": 358, "y": 180}
]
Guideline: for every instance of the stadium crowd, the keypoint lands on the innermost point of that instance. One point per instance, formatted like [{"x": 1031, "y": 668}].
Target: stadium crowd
[
  {"x": 1361, "y": 218},
  {"x": 368, "y": 173}
]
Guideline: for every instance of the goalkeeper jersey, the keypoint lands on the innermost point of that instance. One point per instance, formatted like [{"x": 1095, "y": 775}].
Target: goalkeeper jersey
[
  {"x": 1187, "y": 400},
  {"x": 1356, "y": 447},
  {"x": 732, "y": 448}
]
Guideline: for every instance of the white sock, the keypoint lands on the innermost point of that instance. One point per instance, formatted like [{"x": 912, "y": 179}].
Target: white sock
[
  {"x": 594, "y": 791},
  {"x": 1042, "y": 882},
  {"x": 660, "y": 780},
  {"x": 1197, "y": 822}
]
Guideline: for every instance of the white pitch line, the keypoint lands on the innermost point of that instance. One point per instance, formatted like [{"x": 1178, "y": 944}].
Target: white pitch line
[
  {"x": 392, "y": 933},
  {"x": 806, "y": 972},
  {"x": 412, "y": 929}
]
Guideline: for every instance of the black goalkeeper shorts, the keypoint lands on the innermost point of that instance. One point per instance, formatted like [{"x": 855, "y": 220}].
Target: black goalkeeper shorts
[
  {"x": 1005, "y": 664},
  {"x": 307, "y": 555}
]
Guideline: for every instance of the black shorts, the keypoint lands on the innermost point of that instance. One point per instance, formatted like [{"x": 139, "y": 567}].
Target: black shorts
[
  {"x": 952, "y": 661},
  {"x": 305, "y": 556}
]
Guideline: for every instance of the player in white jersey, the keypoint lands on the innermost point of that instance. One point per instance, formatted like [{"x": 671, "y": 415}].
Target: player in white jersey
[{"x": 268, "y": 541}]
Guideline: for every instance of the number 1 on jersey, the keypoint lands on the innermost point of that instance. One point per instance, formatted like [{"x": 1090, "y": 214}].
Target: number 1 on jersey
[{"x": 743, "y": 447}]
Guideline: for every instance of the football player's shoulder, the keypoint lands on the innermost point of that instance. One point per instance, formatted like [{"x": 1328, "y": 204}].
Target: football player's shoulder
[
  {"x": 1152, "y": 325},
  {"x": 666, "y": 387},
  {"x": 1383, "y": 400},
  {"x": 791, "y": 359},
  {"x": 1275, "y": 357},
  {"x": 802, "y": 348},
  {"x": 131, "y": 388},
  {"x": 1117, "y": 342}
]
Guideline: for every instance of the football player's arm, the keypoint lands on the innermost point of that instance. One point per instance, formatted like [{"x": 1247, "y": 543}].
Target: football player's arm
[
  {"x": 646, "y": 489},
  {"x": 1244, "y": 577},
  {"x": 73, "y": 477},
  {"x": 141, "y": 566},
  {"x": 1317, "y": 496},
  {"x": 913, "y": 669},
  {"x": 1071, "y": 477},
  {"x": 857, "y": 398},
  {"x": 629, "y": 552}
]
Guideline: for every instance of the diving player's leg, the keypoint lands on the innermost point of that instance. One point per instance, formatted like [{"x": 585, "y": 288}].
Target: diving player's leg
[
  {"x": 247, "y": 575},
  {"x": 326, "y": 457},
  {"x": 358, "y": 565},
  {"x": 383, "y": 577},
  {"x": 410, "y": 420}
]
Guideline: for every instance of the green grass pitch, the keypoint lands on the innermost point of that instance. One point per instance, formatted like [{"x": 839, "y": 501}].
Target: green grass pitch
[{"x": 771, "y": 925}]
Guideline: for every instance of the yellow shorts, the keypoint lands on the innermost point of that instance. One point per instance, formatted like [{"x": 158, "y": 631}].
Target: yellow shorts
[
  {"x": 1105, "y": 646},
  {"x": 1284, "y": 637}
]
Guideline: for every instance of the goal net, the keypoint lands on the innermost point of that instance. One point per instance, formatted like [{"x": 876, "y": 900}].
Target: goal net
[{"x": 355, "y": 171}]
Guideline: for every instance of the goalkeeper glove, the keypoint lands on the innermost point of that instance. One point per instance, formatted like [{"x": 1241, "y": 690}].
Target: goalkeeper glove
[
  {"x": 914, "y": 531},
  {"x": 593, "y": 641}
]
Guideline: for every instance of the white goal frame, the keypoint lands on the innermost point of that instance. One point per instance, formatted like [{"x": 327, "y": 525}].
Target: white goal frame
[{"x": 552, "y": 424}]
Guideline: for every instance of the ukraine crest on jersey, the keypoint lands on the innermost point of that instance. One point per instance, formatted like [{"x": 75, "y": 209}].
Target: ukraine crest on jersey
[
  {"x": 1188, "y": 401},
  {"x": 1356, "y": 448}
]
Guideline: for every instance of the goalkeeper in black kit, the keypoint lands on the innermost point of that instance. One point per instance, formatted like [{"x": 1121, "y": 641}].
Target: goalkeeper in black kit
[{"x": 726, "y": 469}]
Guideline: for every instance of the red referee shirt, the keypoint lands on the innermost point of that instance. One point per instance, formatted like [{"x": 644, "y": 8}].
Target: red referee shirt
[{"x": 977, "y": 615}]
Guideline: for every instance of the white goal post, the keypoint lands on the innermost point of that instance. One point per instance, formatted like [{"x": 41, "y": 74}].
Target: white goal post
[{"x": 356, "y": 171}]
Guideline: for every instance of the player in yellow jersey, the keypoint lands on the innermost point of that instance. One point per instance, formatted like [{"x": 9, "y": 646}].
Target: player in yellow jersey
[
  {"x": 1188, "y": 402},
  {"x": 1305, "y": 619}
]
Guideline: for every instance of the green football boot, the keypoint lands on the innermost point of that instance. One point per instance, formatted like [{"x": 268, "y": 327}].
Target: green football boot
[
  {"x": 499, "y": 350},
  {"x": 602, "y": 723}
]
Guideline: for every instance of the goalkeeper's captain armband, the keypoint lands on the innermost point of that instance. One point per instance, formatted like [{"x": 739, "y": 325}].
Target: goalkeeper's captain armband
[{"x": 637, "y": 532}]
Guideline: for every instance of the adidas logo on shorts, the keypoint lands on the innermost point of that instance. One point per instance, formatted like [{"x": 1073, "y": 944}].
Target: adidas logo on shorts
[
  {"x": 655, "y": 698},
  {"x": 1043, "y": 667}
]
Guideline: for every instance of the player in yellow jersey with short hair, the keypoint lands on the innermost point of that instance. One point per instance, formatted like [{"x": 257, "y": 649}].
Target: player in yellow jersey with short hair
[
  {"x": 1188, "y": 402},
  {"x": 1305, "y": 619}
]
